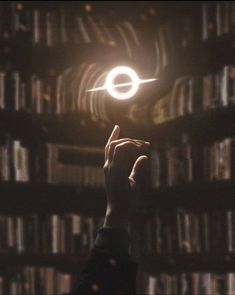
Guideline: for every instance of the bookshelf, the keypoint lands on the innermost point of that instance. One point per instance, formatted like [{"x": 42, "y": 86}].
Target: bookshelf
[
  {"x": 50, "y": 198},
  {"x": 188, "y": 55},
  {"x": 169, "y": 263},
  {"x": 66, "y": 198},
  {"x": 198, "y": 196},
  {"x": 216, "y": 123},
  {"x": 68, "y": 262},
  {"x": 207, "y": 55}
]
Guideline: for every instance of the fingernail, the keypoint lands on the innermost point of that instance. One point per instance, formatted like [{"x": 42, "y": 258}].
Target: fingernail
[{"x": 146, "y": 142}]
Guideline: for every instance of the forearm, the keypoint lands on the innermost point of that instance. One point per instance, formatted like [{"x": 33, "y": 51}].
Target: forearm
[{"x": 110, "y": 270}]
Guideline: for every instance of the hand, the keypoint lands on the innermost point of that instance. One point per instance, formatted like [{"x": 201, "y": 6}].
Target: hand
[{"x": 124, "y": 162}]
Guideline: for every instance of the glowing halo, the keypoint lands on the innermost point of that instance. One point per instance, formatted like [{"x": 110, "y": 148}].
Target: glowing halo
[
  {"x": 111, "y": 87},
  {"x": 109, "y": 83}
]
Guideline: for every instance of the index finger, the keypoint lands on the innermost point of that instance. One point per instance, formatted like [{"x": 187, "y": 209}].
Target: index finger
[{"x": 115, "y": 134}]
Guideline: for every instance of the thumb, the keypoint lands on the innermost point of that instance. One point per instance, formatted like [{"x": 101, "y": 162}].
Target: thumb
[{"x": 139, "y": 169}]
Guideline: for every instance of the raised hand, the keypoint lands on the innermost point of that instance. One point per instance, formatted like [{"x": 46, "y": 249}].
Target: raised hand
[{"x": 124, "y": 161}]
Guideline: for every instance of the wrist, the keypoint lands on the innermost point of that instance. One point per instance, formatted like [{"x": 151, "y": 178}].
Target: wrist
[{"x": 115, "y": 219}]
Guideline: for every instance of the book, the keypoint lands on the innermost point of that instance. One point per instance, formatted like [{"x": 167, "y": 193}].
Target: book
[
  {"x": 34, "y": 280},
  {"x": 75, "y": 165},
  {"x": 52, "y": 163},
  {"x": 165, "y": 233},
  {"x": 34, "y": 234},
  {"x": 188, "y": 283}
]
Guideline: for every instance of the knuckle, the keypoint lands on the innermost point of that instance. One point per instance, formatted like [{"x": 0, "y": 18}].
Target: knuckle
[
  {"x": 106, "y": 165},
  {"x": 112, "y": 145},
  {"x": 106, "y": 171},
  {"x": 118, "y": 149},
  {"x": 123, "y": 147},
  {"x": 109, "y": 169},
  {"x": 112, "y": 168}
]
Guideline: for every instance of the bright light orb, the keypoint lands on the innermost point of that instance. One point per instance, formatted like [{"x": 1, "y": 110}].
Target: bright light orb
[{"x": 112, "y": 89}]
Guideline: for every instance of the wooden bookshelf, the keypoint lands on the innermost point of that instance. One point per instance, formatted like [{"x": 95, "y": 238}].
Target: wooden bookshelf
[
  {"x": 205, "y": 127},
  {"x": 206, "y": 262},
  {"x": 40, "y": 58},
  {"x": 208, "y": 55},
  {"x": 48, "y": 198},
  {"x": 203, "y": 196},
  {"x": 199, "y": 57},
  {"x": 66, "y": 262},
  {"x": 154, "y": 264},
  {"x": 210, "y": 125}
]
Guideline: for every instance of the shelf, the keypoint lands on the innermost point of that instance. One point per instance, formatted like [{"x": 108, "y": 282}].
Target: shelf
[
  {"x": 66, "y": 128},
  {"x": 64, "y": 262},
  {"x": 196, "y": 58},
  {"x": 152, "y": 264},
  {"x": 71, "y": 128},
  {"x": 21, "y": 198},
  {"x": 205, "y": 126},
  {"x": 207, "y": 262},
  {"x": 210, "y": 125},
  {"x": 202, "y": 196},
  {"x": 201, "y": 57},
  {"x": 40, "y": 58},
  {"x": 18, "y": 198}
]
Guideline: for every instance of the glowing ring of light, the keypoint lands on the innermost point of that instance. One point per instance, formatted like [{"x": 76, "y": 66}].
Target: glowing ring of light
[{"x": 122, "y": 70}]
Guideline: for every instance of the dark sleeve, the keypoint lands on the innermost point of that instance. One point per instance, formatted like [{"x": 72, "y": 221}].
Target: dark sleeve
[{"x": 109, "y": 269}]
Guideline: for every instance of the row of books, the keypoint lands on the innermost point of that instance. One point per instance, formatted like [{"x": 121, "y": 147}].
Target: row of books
[
  {"x": 185, "y": 232},
  {"x": 219, "y": 160},
  {"x": 189, "y": 283},
  {"x": 218, "y": 89},
  {"x": 217, "y": 18},
  {"x": 186, "y": 162},
  {"x": 181, "y": 100},
  {"x": 61, "y": 26},
  {"x": 207, "y": 20},
  {"x": 52, "y": 163},
  {"x": 64, "y": 93},
  {"x": 74, "y": 85},
  {"x": 77, "y": 165},
  {"x": 195, "y": 94},
  {"x": 31, "y": 280},
  {"x": 48, "y": 234},
  {"x": 172, "y": 165},
  {"x": 66, "y": 26},
  {"x": 68, "y": 92},
  {"x": 188, "y": 95},
  {"x": 33, "y": 94},
  {"x": 14, "y": 162},
  {"x": 137, "y": 36},
  {"x": 175, "y": 164}
]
